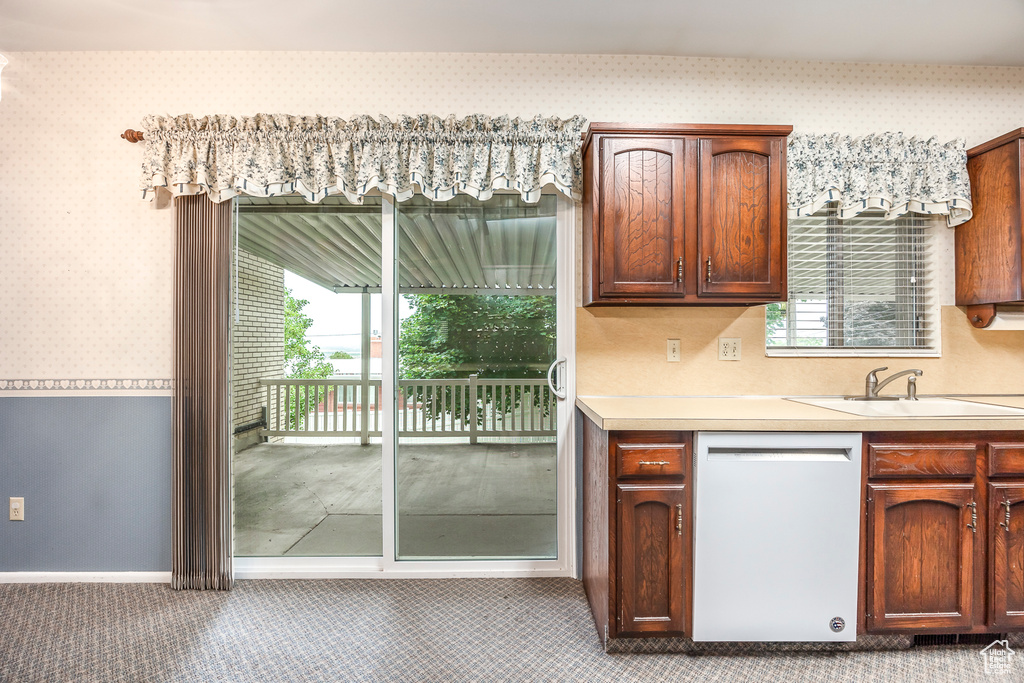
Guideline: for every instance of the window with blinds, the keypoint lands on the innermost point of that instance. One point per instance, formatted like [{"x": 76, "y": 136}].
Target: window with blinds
[{"x": 857, "y": 286}]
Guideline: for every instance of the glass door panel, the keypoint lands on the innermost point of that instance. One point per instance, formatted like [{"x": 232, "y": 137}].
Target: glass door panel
[
  {"x": 476, "y": 447},
  {"x": 306, "y": 366}
]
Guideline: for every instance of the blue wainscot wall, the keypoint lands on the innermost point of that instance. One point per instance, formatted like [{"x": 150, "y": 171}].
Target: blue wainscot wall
[{"x": 95, "y": 473}]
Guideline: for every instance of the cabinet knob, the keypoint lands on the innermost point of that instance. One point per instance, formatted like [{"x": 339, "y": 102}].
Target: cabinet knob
[{"x": 707, "y": 277}]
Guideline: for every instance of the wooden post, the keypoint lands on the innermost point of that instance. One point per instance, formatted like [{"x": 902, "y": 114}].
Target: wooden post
[{"x": 473, "y": 411}]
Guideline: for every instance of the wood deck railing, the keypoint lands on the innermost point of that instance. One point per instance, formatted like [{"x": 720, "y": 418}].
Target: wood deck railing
[{"x": 426, "y": 408}]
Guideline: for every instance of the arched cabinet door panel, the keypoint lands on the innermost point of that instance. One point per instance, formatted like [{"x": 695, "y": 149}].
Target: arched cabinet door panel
[
  {"x": 923, "y": 544},
  {"x": 741, "y": 214},
  {"x": 651, "y": 538},
  {"x": 1006, "y": 554},
  {"x": 642, "y": 200}
]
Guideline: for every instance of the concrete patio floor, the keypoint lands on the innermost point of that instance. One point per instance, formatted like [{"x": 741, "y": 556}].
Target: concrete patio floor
[{"x": 455, "y": 500}]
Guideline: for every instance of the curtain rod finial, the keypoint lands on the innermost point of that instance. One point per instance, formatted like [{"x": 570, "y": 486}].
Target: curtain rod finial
[{"x": 132, "y": 135}]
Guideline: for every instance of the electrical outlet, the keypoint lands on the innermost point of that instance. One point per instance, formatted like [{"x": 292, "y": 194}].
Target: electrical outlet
[
  {"x": 728, "y": 348},
  {"x": 673, "y": 350},
  {"x": 17, "y": 509}
]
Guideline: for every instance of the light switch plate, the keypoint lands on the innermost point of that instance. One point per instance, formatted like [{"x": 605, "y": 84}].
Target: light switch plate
[
  {"x": 673, "y": 350},
  {"x": 17, "y": 507},
  {"x": 729, "y": 348}
]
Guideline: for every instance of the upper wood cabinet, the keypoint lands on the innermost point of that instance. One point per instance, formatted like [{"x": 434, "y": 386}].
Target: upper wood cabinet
[
  {"x": 644, "y": 208},
  {"x": 679, "y": 214},
  {"x": 741, "y": 214},
  {"x": 989, "y": 268}
]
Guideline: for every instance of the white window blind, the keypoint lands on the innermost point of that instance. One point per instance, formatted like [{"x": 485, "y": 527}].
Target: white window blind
[{"x": 857, "y": 286}]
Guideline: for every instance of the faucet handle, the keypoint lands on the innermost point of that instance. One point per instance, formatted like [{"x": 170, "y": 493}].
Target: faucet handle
[
  {"x": 884, "y": 367},
  {"x": 912, "y": 388}
]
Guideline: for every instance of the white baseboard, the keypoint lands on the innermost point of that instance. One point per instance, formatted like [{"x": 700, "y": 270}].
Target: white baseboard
[{"x": 85, "y": 577}]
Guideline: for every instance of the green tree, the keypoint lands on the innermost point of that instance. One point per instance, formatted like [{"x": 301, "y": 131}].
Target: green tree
[
  {"x": 302, "y": 359},
  {"x": 340, "y": 355},
  {"x": 775, "y": 320},
  {"x": 454, "y": 336},
  {"x": 457, "y": 335}
]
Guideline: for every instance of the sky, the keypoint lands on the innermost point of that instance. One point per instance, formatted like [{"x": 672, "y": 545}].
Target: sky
[{"x": 336, "y": 317}]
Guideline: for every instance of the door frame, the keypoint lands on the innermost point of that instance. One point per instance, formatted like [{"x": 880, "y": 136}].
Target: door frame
[{"x": 387, "y": 566}]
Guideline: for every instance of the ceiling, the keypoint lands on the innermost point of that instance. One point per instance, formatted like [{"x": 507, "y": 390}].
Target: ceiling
[
  {"x": 968, "y": 32},
  {"x": 457, "y": 247}
]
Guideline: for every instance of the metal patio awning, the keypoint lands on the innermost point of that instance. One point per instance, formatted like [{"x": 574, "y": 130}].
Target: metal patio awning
[{"x": 456, "y": 247}]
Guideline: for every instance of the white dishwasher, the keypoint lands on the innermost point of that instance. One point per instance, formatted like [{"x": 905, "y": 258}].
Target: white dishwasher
[{"x": 777, "y": 524}]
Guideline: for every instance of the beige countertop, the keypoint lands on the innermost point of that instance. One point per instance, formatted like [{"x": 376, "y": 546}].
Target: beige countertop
[{"x": 773, "y": 414}]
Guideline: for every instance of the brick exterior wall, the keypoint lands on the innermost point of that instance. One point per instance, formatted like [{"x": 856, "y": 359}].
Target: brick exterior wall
[{"x": 258, "y": 343}]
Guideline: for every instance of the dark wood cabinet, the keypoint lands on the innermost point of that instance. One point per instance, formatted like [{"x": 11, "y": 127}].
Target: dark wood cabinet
[
  {"x": 650, "y": 557},
  {"x": 924, "y": 556},
  {"x": 989, "y": 268},
  {"x": 642, "y": 198},
  {"x": 678, "y": 214},
  {"x": 1006, "y": 555},
  {"x": 944, "y": 546},
  {"x": 637, "y": 531},
  {"x": 739, "y": 239}
]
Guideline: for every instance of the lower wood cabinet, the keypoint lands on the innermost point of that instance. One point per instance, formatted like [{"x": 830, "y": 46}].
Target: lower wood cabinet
[
  {"x": 637, "y": 531},
  {"x": 650, "y": 557},
  {"x": 944, "y": 548},
  {"x": 1006, "y": 554},
  {"x": 924, "y": 556}
]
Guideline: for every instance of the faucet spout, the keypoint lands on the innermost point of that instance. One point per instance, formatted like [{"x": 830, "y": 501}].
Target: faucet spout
[{"x": 903, "y": 373}]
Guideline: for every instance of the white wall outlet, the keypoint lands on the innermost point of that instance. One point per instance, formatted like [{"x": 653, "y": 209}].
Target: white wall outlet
[
  {"x": 729, "y": 348},
  {"x": 17, "y": 509},
  {"x": 673, "y": 350}
]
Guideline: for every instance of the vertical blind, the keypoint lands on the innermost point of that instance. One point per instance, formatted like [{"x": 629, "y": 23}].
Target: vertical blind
[
  {"x": 856, "y": 283},
  {"x": 201, "y": 514}
]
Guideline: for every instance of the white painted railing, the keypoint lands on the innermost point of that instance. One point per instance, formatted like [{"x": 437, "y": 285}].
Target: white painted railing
[{"x": 426, "y": 407}]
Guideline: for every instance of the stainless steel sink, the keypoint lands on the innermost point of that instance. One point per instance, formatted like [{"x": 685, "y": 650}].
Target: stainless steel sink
[{"x": 924, "y": 407}]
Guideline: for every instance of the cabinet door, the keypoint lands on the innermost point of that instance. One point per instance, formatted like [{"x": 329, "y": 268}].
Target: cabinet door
[
  {"x": 1006, "y": 555},
  {"x": 922, "y": 556},
  {"x": 651, "y": 535},
  {"x": 642, "y": 201},
  {"x": 741, "y": 241}
]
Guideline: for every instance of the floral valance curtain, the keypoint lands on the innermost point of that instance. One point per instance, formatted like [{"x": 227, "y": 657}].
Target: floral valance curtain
[
  {"x": 317, "y": 156},
  {"x": 886, "y": 171}
]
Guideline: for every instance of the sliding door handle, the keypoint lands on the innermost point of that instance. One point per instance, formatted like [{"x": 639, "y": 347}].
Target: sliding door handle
[{"x": 560, "y": 393}]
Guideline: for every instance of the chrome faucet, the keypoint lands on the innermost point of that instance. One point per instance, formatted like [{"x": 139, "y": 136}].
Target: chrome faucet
[{"x": 872, "y": 386}]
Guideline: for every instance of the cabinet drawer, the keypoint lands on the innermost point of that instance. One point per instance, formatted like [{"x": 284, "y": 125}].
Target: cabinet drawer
[
  {"x": 1006, "y": 459},
  {"x": 921, "y": 460},
  {"x": 650, "y": 460}
]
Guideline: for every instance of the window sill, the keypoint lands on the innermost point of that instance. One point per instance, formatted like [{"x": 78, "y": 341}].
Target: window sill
[{"x": 822, "y": 352}]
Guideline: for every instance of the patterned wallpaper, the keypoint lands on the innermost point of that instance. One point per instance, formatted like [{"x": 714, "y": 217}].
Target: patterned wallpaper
[{"x": 85, "y": 266}]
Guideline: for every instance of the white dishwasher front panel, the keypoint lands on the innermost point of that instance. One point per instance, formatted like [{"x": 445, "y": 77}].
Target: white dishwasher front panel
[{"x": 777, "y": 527}]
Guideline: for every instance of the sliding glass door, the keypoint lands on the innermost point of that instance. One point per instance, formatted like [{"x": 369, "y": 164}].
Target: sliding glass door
[
  {"x": 476, "y": 420},
  {"x": 397, "y": 389},
  {"x": 307, "y": 379}
]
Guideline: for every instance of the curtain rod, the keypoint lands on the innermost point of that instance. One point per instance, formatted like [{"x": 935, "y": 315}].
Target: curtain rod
[{"x": 132, "y": 135}]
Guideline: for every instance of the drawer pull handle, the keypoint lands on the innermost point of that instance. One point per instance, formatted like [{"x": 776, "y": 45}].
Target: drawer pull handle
[
  {"x": 708, "y": 274},
  {"x": 679, "y": 520},
  {"x": 1006, "y": 524},
  {"x": 679, "y": 270},
  {"x": 653, "y": 462},
  {"x": 973, "y": 526}
]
